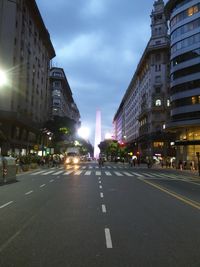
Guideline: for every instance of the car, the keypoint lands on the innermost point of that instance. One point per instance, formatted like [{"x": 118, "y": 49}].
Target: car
[{"x": 72, "y": 158}]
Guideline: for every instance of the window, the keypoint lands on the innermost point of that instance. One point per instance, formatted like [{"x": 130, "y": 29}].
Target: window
[
  {"x": 158, "y": 144},
  {"x": 158, "y": 103},
  {"x": 58, "y": 74}
]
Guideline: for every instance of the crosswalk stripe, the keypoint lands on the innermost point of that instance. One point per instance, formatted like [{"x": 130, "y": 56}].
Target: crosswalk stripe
[
  {"x": 128, "y": 174},
  {"x": 78, "y": 172},
  {"x": 109, "y": 167},
  {"x": 67, "y": 172},
  {"x": 84, "y": 167},
  {"x": 90, "y": 167},
  {"x": 108, "y": 173},
  {"x": 88, "y": 173},
  {"x": 36, "y": 173},
  {"x": 46, "y": 173},
  {"x": 98, "y": 173},
  {"x": 118, "y": 174},
  {"x": 137, "y": 174},
  {"x": 56, "y": 173}
]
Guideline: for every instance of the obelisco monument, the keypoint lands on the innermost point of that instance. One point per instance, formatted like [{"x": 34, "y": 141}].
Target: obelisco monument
[{"x": 97, "y": 139}]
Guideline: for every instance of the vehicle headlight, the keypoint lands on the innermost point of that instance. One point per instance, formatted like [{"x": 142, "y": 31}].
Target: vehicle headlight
[
  {"x": 67, "y": 161},
  {"x": 76, "y": 160}
]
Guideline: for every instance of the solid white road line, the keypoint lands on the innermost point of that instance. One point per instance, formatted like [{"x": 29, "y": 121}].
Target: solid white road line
[
  {"x": 108, "y": 173},
  {"x": 88, "y": 173},
  {"x": 36, "y": 173},
  {"x": 108, "y": 238},
  {"x": 42, "y": 185},
  {"x": 98, "y": 173},
  {"x": 101, "y": 195},
  {"x": 56, "y": 173},
  {"x": 8, "y": 203},
  {"x": 28, "y": 193},
  {"x": 103, "y": 208},
  {"x": 118, "y": 174},
  {"x": 46, "y": 173},
  {"x": 128, "y": 174}
]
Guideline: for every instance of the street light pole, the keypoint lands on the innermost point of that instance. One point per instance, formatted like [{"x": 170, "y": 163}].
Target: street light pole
[{"x": 198, "y": 155}]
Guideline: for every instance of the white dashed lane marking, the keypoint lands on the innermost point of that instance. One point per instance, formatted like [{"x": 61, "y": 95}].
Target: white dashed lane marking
[
  {"x": 6, "y": 204},
  {"x": 42, "y": 185},
  {"x": 28, "y": 193},
  {"x": 108, "y": 238}
]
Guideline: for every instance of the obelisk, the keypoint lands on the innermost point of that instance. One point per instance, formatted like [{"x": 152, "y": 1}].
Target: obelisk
[{"x": 97, "y": 139}]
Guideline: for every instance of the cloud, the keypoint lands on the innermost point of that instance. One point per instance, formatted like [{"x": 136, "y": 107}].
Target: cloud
[{"x": 99, "y": 44}]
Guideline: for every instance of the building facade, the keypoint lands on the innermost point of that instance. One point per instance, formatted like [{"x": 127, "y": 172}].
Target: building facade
[
  {"x": 63, "y": 104},
  {"x": 146, "y": 101},
  {"x": 184, "y": 21},
  {"x": 26, "y": 52}
]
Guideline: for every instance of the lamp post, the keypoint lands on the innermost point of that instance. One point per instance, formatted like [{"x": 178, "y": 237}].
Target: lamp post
[{"x": 198, "y": 155}]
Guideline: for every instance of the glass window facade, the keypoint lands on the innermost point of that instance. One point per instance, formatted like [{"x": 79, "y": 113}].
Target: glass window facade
[
  {"x": 185, "y": 72},
  {"x": 186, "y": 28},
  {"x": 187, "y": 42},
  {"x": 186, "y": 56},
  {"x": 184, "y": 14},
  {"x": 185, "y": 87}
]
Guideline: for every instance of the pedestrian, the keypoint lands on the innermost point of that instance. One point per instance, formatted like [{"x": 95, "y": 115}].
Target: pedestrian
[
  {"x": 192, "y": 168},
  {"x": 180, "y": 165}
]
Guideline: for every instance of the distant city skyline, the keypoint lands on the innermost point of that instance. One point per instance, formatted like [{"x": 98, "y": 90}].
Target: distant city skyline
[{"x": 99, "y": 44}]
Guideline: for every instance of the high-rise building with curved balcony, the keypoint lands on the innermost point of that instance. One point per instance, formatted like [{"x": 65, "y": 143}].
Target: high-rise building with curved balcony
[{"x": 184, "y": 21}]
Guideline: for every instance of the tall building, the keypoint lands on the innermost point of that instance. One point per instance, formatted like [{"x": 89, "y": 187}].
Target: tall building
[
  {"x": 144, "y": 109},
  {"x": 25, "y": 53},
  {"x": 63, "y": 104},
  {"x": 184, "y": 17}
]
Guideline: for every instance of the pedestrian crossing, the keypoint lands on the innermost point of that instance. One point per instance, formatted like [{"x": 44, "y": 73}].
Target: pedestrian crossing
[{"x": 111, "y": 171}]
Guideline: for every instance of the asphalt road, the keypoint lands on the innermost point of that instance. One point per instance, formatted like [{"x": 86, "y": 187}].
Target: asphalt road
[{"x": 86, "y": 216}]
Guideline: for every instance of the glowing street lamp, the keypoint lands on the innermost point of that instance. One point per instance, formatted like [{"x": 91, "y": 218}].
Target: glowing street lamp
[
  {"x": 3, "y": 78},
  {"x": 84, "y": 132}
]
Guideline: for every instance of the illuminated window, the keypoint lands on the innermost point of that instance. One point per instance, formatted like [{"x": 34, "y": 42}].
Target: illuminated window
[
  {"x": 168, "y": 102},
  {"x": 193, "y": 100},
  {"x": 158, "y": 103},
  {"x": 158, "y": 144},
  {"x": 190, "y": 11}
]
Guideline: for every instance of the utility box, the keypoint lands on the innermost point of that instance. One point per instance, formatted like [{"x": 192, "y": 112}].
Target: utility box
[
  {"x": 1, "y": 170},
  {"x": 9, "y": 169}
]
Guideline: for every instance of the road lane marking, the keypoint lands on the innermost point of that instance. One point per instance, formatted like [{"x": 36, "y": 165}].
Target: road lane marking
[
  {"x": 46, "y": 173},
  {"x": 42, "y": 185},
  {"x": 98, "y": 173},
  {"x": 99, "y": 182},
  {"x": 67, "y": 173},
  {"x": 78, "y": 172},
  {"x": 56, "y": 173},
  {"x": 101, "y": 195},
  {"x": 36, "y": 173},
  {"x": 103, "y": 208},
  {"x": 109, "y": 167},
  {"x": 5, "y": 205},
  {"x": 84, "y": 167},
  {"x": 100, "y": 187},
  {"x": 28, "y": 193},
  {"x": 128, "y": 174},
  {"x": 108, "y": 238},
  {"x": 51, "y": 181},
  {"x": 184, "y": 199},
  {"x": 118, "y": 174},
  {"x": 90, "y": 167},
  {"x": 88, "y": 173},
  {"x": 108, "y": 173},
  {"x": 137, "y": 174}
]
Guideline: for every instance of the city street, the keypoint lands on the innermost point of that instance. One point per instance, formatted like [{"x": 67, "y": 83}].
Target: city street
[{"x": 114, "y": 216}]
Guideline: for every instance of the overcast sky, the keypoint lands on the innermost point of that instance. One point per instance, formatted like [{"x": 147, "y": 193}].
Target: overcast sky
[{"x": 99, "y": 44}]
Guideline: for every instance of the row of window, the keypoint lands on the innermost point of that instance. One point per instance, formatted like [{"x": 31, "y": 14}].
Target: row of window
[
  {"x": 186, "y": 101},
  {"x": 194, "y": 39},
  {"x": 182, "y": 3},
  {"x": 158, "y": 103},
  {"x": 184, "y": 72},
  {"x": 184, "y": 14},
  {"x": 185, "y": 87},
  {"x": 186, "y": 56},
  {"x": 187, "y": 116},
  {"x": 186, "y": 28}
]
